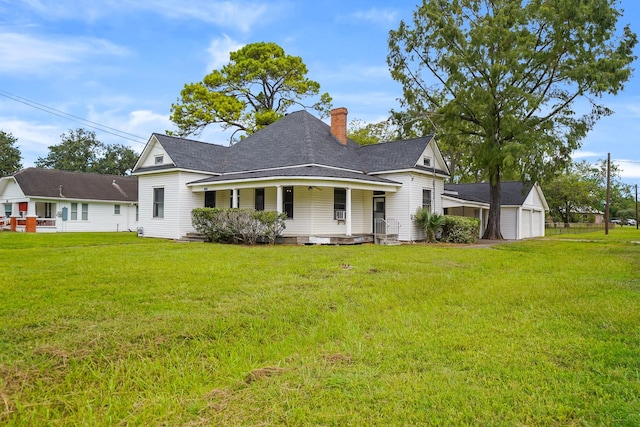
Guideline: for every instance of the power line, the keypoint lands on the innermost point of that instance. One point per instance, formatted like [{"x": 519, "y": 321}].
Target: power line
[{"x": 107, "y": 129}]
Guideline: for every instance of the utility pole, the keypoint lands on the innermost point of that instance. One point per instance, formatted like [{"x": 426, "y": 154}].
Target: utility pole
[
  {"x": 606, "y": 211},
  {"x": 636, "y": 206}
]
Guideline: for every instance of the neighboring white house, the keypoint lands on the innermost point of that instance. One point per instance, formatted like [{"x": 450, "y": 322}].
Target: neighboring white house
[
  {"x": 332, "y": 189},
  {"x": 522, "y": 212},
  {"x": 49, "y": 200}
]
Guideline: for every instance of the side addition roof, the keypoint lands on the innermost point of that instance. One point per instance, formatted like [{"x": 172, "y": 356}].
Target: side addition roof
[
  {"x": 513, "y": 193},
  {"x": 58, "y": 184}
]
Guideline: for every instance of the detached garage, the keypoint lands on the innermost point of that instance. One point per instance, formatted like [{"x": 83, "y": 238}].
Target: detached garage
[{"x": 522, "y": 213}]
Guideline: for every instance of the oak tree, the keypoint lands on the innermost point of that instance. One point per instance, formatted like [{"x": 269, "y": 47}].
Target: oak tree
[{"x": 514, "y": 75}]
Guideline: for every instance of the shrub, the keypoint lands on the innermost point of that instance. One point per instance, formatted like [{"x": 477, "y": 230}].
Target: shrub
[
  {"x": 238, "y": 225},
  {"x": 429, "y": 222},
  {"x": 460, "y": 229}
]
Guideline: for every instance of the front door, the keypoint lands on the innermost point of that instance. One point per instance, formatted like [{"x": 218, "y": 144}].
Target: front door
[{"x": 378, "y": 215}]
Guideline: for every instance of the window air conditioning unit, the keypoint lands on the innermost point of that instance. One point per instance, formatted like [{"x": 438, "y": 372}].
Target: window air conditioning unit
[{"x": 341, "y": 215}]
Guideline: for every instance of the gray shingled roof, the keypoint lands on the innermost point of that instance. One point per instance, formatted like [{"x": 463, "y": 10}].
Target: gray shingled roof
[
  {"x": 394, "y": 155},
  {"x": 303, "y": 171},
  {"x": 37, "y": 182},
  {"x": 513, "y": 193},
  {"x": 194, "y": 155},
  {"x": 298, "y": 139}
]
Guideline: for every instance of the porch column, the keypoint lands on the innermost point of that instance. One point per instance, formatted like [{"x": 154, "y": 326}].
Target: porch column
[
  {"x": 31, "y": 222},
  {"x": 348, "y": 213},
  {"x": 15, "y": 214},
  {"x": 234, "y": 198},
  {"x": 279, "y": 198}
]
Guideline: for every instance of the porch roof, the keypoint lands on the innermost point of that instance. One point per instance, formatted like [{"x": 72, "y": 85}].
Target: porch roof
[
  {"x": 310, "y": 171},
  {"x": 513, "y": 193}
]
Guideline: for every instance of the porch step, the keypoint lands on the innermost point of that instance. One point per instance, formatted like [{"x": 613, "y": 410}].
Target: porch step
[
  {"x": 193, "y": 237},
  {"x": 388, "y": 242}
]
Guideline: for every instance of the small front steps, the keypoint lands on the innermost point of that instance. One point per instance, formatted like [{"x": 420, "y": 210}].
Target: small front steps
[
  {"x": 387, "y": 240},
  {"x": 193, "y": 237}
]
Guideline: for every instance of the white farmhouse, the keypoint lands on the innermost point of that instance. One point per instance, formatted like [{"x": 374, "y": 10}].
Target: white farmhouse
[{"x": 331, "y": 189}]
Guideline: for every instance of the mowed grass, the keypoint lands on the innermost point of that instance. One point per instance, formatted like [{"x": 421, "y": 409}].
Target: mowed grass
[{"x": 111, "y": 329}]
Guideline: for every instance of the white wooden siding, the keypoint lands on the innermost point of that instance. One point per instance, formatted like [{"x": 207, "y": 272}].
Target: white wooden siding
[
  {"x": 12, "y": 191},
  {"x": 179, "y": 201},
  {"x": 404, "y": 203},
  {"x": 101, "y": 217},
  {"x": 151, "y": 151}
]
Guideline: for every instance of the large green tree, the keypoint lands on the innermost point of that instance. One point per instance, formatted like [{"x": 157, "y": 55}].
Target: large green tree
[
  {"x": 512, "y": 75},
  {"x": 10, "y": 156},
  {"x": 582, "y": 188},
  {"x": 255, "y": 89},
  {"x": 80, "y": 151},
  {"x": 578, "y": 189},
  {"x": 371, "y": 133}
]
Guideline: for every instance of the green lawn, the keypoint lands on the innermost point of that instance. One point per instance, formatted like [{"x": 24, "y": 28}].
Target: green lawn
[{"x": 111, "y": 329}]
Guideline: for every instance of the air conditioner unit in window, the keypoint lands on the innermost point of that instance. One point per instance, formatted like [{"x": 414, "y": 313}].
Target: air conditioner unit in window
[{"x": 341, "y": 215}]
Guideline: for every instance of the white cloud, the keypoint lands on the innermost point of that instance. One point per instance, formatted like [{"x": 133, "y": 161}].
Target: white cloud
[
  {"x": 33, "y": 138},
  {"x": 29, "y": 54},
  {"x": 232, "y": 14},
  {"x": 579, "y": 154},
  {"x": 240, "y": 15},
  {"x": 377, "y": 16},
  {"x": 628, "y": 168},
  {"x": 219, "y": 50}
]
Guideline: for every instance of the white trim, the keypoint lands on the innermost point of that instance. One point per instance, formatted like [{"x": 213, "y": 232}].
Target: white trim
[{"x": 294, "y": 181}]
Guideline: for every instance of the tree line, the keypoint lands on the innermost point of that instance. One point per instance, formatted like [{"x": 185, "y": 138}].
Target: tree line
[{"x": 79, "y": 150}]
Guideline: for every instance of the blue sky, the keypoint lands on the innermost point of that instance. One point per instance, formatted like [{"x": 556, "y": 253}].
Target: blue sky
[{"x": 123, "y": 63}]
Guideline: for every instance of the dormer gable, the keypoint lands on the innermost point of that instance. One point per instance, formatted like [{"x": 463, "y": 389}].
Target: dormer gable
[
  {"x": 432, "y": 158},
  {"x": 154, "y": 155}
]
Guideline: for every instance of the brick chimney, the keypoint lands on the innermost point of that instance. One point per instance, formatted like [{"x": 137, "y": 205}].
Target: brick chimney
[{"x": 339, "y": 124}]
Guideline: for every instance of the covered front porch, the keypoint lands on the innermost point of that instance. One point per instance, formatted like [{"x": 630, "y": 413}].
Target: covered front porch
[
  {"x": 329, "y": 211},
  {"x": 29, "y": 216}
]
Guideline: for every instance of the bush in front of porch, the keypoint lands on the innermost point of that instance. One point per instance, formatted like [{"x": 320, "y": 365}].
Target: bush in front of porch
[{"x": 238, "y": 225}]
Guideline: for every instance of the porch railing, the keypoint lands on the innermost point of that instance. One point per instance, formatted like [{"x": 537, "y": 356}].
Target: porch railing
[
  {"x": 46, "y": 222},
  {"x": 386, "y": 229}
]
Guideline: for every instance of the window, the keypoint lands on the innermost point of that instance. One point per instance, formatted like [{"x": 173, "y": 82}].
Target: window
[
  {"x": 426, "y": 161},
  {"x": 159, "y": 160},
  {"x": 287, "y": 201},
  {"x": 48, "y": 210},
  {"x": 158, "y": 202},
  {"x": 426, "y": 199},
  {"x": 209, "y": 199},
  {"x": 85, "y": 212},
  {"x": 339, "y": 202},
  {"x": 116, "y": 209},
  {"x": 7, "y": 210},
  {"x": 259, "y": 202},
  {"x": 74, "y": 211}
]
